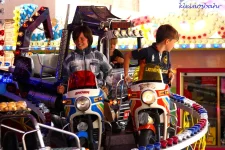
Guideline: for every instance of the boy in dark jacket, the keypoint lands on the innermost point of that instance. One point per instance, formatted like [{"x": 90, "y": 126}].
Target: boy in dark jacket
[{"x": 158, "y": 53}]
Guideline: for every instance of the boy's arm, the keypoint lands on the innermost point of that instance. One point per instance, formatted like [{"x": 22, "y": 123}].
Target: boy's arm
[
  {"x": 170, "y": 71},
  {"x": 137, "y": 54},
  {"x": 169, "y": 63},
  {"x": 127, "y": 57},
  {"x": 106, "y": 68}
]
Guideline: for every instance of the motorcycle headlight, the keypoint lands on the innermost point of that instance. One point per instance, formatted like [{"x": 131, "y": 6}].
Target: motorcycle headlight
[
  {"x": 82, "y": 126},
  {"x": 148, "y": 97},
  {"x": 82, "y": 103}
]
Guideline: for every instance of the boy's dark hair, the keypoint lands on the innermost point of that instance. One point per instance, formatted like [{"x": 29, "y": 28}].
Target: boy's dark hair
[
  {"x": 166, "y": 31},
  {"x": 86, "y": 31}
]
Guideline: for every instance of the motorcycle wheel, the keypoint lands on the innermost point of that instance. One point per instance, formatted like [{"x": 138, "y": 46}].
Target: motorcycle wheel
[
  {"x": 144, "y": 137},
  {"x": 10, "y": 141}
]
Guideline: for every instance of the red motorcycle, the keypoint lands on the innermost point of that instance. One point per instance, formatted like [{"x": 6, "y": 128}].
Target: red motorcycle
[{"x": 150, "y": 105}]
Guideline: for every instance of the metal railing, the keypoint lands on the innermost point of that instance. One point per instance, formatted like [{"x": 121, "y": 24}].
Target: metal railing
[{"x": 37, "y": 129}]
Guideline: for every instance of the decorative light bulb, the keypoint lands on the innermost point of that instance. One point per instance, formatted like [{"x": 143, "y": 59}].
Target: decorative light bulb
[
  {"x": 42, "y": 8},
  {"x": 25, "y": 25},
  {"x": 223, "y": 45},
  {"x": 192, "y": 45},
  {"x": 20, "y": 34},
  {"x": 31, "y": 19},
  {"x": 13, "y": 47},
  {"x": 130, "y": 46},
  {"x": 18, "y": 43},
  {"x": 176, "y": 46},
  {"x": 37, "y": 14},
  {"x": 208, "y": 45}
]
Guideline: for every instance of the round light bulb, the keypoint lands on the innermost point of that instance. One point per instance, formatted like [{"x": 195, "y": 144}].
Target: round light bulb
[
  {"x": 208, "y": 45},
  {"x": 223, "y": 45},
  {"x": 14, "y": 48},
  {"x": 192, "y": 45},
  {"x": 176, "y": 46},
  {"x": 130, "y": 46}
]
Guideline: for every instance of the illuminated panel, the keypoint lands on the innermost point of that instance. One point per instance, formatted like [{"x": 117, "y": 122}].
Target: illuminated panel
[{"x": 25, "y": 31}]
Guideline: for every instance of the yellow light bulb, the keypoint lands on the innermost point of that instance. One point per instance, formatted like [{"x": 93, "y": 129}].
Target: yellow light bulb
[
  {"x": 20, "y": 34},
  {"x": 18, "y": 43}
]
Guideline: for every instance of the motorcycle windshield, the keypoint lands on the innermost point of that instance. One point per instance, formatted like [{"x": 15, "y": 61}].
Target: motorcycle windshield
[
  {"x": 147, "y": 73},
  {"x": 81, "y": 80}
]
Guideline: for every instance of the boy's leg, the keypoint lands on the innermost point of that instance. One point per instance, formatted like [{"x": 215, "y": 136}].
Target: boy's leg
[
  {"x": 108, "y": 116},
  {"x": 107, "y": 112}
]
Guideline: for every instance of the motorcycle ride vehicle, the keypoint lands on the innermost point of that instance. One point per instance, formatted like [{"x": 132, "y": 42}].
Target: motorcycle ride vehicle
[
  {"x": 150, "y": 105},
  {"x": 84, "y": 109}
]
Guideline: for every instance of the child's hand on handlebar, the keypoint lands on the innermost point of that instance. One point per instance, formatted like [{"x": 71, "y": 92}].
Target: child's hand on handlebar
[
  {"x": 105, "y": 89},
  {"x": 127, "y": 79}
]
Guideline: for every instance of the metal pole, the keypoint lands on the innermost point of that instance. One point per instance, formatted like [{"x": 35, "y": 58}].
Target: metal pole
[{"x": 62, "y": 48}]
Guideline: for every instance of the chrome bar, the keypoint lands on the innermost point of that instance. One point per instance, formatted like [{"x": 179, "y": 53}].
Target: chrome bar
[
  {"x": 62, "y": 131},
  {"x": 5, "y": 126},
  {"x": 34, "y": 121},
  {"x": 65, "y": 126},
  {"x": 23, "y": 138},
  {"x": 37, "y": 127},
  {"x": 117, "y": 86}
]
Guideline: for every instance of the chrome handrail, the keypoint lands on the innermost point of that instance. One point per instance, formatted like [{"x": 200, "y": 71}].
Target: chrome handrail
[{"x": 37, "y": 129}]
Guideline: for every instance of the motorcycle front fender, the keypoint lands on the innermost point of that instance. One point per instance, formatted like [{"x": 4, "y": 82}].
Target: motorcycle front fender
[{"x": 148, "y": 127}]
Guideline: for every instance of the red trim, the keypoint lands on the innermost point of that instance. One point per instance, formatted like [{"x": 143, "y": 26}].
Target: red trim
[
  {"x": 192, "y": 70},
  {"x": 147, "y": 126}
]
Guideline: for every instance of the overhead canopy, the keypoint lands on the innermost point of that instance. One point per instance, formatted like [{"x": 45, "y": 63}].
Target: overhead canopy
[{"x": 98, "y": 18}]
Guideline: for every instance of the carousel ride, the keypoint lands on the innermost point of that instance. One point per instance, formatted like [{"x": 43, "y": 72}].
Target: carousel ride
[{"x": 28, "y": 89}]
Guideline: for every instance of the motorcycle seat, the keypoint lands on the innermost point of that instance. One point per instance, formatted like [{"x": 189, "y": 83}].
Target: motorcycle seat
[{"x": 44, "y": 65}]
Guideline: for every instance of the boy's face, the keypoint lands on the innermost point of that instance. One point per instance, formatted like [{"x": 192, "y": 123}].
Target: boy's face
[
  {"x": 81, "y": 42},
  {"x": 112, "y": 45},
  {"x": 170, "y": 44}
]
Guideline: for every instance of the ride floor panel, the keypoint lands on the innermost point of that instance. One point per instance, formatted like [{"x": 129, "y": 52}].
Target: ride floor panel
[{"x": 121, "y": 141}]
